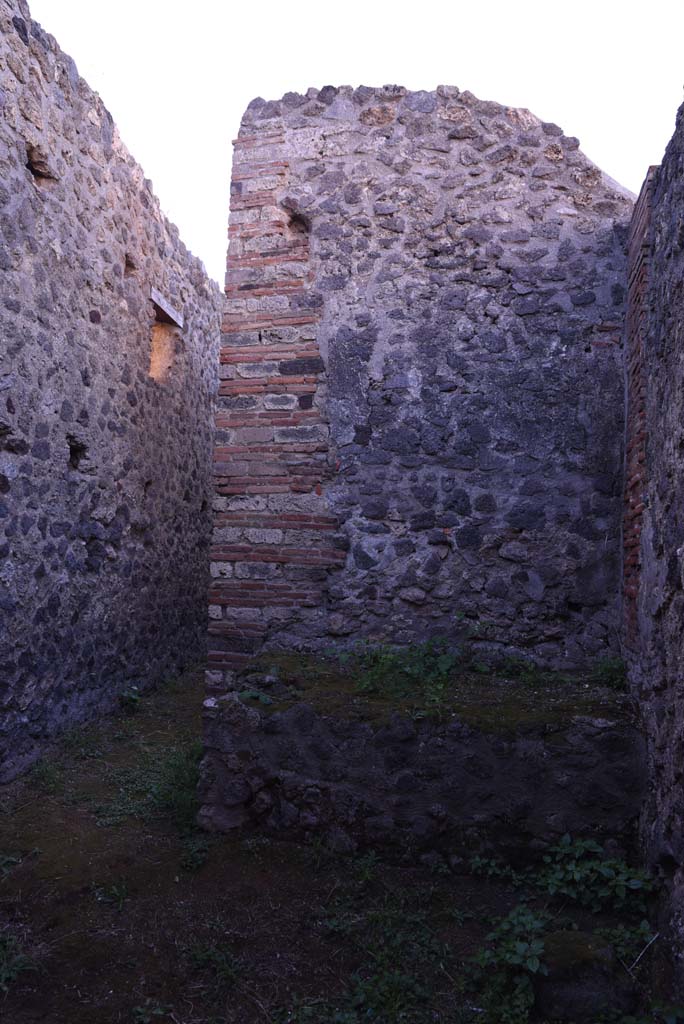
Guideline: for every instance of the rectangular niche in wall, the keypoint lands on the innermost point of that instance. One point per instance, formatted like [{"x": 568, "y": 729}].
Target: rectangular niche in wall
[{"x": 165, "y": 337}]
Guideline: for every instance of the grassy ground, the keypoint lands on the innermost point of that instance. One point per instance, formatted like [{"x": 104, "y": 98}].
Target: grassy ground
[
  {"x": 114, "y": 908},
  {"x": 515, "y": 696}
]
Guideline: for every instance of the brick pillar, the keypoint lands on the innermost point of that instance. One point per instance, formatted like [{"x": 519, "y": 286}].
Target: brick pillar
[
  {"x": 274, "y": 541},
  {"x": 639, "y": 255}
]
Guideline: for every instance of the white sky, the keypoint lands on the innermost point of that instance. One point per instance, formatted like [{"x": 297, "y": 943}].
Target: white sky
[{"x": 177, "y": 76}]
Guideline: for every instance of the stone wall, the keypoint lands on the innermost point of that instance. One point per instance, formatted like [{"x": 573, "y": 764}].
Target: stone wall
[
  {"x": 437, "y": 782},
  {"x": 105, "y": 408},
  {"x": 655, "y": 637},
  {"x": 421, "y": 412}
]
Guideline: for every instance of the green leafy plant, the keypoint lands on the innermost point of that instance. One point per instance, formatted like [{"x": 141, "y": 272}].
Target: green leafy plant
[
  {"x": 490, "y": 867},
  {"x": 578, "y": 870},
  {"x": 83, "y": 744},
  {"x": 387, "y": 994},
  {"x": 419, "y": 671},
  {"x": 628, "y": 942},
  {"x": 504, "y": 968}
]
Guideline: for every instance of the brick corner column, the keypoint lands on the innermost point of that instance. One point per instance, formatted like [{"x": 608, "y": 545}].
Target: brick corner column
[{"x": 274, "y": 542}]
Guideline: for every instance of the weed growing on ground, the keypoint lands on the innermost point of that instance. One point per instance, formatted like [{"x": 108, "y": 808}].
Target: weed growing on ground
[
  {"x": 130, "y": 700},
  {"x": 579, "y": 871},
  {"x": 502, "y": 971},
  {"x": 365, "y": 867},
  {"x": 421, "y": 671},
  {"x": 9, "y": 861},
  {"x": 402, "y": 960},
  {"x": 195, "y": 852},
  {"x": 13, "y": 961},
  {"x": 256, "y": 695},
  {"x": 658, "y": 1015},
  {"x": 218, "y": 963},
  {"x": 82, "y": 744},
  {"x": 149, "y": 1013},
  {"x": 114, "y": 895},
  {"x": 572, "y": 871}
]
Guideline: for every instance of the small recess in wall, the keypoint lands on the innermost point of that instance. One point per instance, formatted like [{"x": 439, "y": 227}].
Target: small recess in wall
[
  {"x": 165, "y": 335},
  {"x": 37, "y": 163}
]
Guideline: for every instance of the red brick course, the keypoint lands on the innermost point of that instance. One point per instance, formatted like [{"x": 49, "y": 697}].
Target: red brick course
[{"x": 267, "y": 353}]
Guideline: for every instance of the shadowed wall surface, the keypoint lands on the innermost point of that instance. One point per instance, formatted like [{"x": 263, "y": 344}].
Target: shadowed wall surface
[
  {"x": 655, "y": 557},
  {"x": 104, "y": 452}
]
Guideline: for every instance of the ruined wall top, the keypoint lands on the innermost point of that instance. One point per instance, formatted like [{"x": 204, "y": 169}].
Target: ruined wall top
[{"x": 431, "y": 121}]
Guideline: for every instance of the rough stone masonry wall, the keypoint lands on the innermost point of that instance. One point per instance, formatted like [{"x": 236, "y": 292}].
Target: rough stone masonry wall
[
  {"x": 105, "y": 412},
  {"x": 656, "y": 639},
  {"x": 421, "y": 400}
]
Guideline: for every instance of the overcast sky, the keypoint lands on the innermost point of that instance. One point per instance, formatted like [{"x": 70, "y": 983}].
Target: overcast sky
[{"x": 177, "y": 76}]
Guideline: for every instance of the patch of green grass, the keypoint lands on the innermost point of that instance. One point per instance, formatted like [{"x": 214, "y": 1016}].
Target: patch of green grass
[
  {"x": 529, "y": 673},
  {"x": 402, "y": 959},
  {"x": 371, "y": 682},
  {"x": 162, "y": 785},
  {"x": 218, "y": 963},
  {"x": 420, "y": 671},
  {"x": 610, "y": 672},
  {"x": 83, "y": 744},
  {"x": 195, "y": 852},
  {"x": 47, "y": 776}
]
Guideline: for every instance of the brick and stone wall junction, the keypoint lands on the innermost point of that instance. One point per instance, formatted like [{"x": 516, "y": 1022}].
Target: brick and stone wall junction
[{"x": 421, "y": 404}]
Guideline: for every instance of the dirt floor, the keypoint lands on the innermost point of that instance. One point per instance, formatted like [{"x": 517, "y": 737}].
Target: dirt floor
[{"x": 115, "y": 908}]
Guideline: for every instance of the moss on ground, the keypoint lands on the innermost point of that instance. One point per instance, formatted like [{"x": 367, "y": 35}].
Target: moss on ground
[{"x": 489, "y": 699}]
